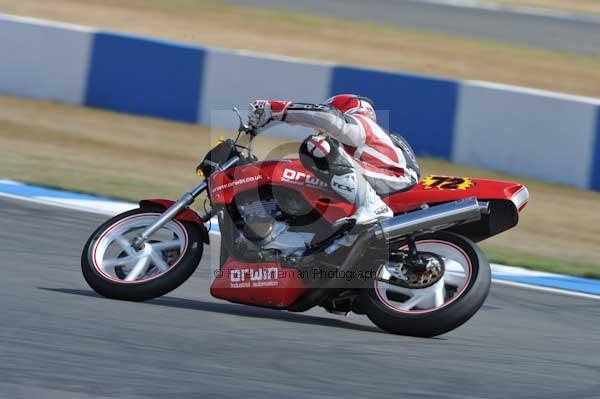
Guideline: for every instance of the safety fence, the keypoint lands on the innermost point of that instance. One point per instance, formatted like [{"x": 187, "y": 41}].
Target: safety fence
[{"x": 550, "y": 136}]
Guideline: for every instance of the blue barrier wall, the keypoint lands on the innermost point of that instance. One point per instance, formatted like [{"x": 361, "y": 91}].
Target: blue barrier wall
[
  {"x": 421, "y": 109},
  {"x": 145, "y": 77},
  {"x": 549, "y": 136}
]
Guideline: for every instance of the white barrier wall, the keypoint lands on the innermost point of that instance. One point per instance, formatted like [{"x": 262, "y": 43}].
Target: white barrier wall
[
  {"x": 236, "y": 78},
  {"x": 526, "y": 132},
  {"x": 44, "y": 60},
  {"x": 550, "y": 136}
]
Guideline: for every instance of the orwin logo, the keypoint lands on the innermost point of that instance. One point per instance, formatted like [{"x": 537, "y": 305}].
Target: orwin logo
[
  {"x": 262, "y": 277},
  {"x": 293, "y": 176}
]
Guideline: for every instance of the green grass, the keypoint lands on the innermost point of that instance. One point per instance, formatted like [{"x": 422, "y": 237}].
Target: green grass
[{"x": 542, "y": 263}]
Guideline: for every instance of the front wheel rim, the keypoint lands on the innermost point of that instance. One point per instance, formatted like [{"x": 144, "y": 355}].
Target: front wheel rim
[
  {"x": 448, "y": 289},
  {"x": 116, "y": 260}
]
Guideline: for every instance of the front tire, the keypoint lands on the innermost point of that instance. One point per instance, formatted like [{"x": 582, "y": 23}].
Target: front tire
[
  {"x": 115, "y": 270},
  {"x": 392, "y": 308}
]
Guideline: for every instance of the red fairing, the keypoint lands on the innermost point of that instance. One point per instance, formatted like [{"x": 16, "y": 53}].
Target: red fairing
[
  {"x": 290, "y": 173},
  {"x": 436, "y": 189},
  {"x": 263, "y": 284}
]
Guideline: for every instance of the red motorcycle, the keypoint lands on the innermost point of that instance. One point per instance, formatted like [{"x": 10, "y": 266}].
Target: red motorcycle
[{"x": 419, "y": 273}]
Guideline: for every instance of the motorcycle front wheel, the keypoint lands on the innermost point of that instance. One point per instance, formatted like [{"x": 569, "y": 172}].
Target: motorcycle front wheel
[
  {"x": 438, "y": 305},
  {"x": 116, "y": 270}
]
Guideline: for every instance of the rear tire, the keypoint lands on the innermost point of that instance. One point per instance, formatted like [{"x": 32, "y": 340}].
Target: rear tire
[
  {"x": 451, "y": 314},
  {"x": 162, "y": 284}
]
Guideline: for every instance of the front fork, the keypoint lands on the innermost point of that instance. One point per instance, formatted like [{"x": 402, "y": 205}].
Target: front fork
[
  {"x": 185, "y": 201},
  {"x": 182, "y": 203}
]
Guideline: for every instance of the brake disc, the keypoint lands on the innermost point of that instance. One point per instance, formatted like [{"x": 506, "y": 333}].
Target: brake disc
[{"x": 418, "y": 273}]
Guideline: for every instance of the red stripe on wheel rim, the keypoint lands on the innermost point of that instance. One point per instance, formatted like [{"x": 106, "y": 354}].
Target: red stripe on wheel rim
[
  {"x": 115, "y": 226},
  {"x": 386, "y": 302}
]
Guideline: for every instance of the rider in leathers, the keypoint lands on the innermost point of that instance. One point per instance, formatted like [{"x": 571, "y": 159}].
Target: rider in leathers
[{"x": 350, "y": 151}]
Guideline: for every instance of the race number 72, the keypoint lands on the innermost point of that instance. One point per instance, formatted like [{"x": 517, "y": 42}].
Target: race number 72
[{"x": 447, "y": 183}]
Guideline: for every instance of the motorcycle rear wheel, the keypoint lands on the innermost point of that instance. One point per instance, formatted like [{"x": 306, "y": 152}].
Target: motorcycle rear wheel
[
  {"x": 116, "y": 270},
  {"x": 441, "y": 307}
]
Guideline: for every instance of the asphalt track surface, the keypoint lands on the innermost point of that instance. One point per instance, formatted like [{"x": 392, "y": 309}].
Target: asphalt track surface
[
  {"x": 580, "y": 36},
  {"x": 59, "y": 340}
]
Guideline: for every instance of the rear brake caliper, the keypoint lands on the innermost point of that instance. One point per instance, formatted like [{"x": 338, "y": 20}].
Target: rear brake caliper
[{"x": 414, "y": 269}]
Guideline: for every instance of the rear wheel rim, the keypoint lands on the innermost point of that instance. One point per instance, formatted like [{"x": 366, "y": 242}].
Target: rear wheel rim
[
  {"x": 115, "y": 259},
  {"x": 448, "y": 289}
]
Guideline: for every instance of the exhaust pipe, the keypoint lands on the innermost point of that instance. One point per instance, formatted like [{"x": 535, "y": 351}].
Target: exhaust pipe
[{"x": 433, "y": 218}]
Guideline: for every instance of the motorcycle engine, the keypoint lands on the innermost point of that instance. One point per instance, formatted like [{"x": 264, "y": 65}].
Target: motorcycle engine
[
  {"x": 259, "y": 218},
  {"x": 273, "y": 224}
]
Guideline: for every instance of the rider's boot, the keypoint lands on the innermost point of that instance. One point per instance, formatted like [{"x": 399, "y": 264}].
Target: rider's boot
[{"x": 355, "y": 189}]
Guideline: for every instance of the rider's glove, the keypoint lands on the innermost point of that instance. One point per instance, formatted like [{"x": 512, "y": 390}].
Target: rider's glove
[{"x": 264, "y": 111}]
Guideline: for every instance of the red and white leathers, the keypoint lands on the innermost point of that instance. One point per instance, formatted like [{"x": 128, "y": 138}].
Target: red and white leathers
[{"x": 366, "y": 148}]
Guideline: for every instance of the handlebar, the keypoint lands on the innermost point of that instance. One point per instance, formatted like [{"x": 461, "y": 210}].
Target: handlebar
[
  {"x": 250, "y": 131},
  {"x": 246, "y": 129}
]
